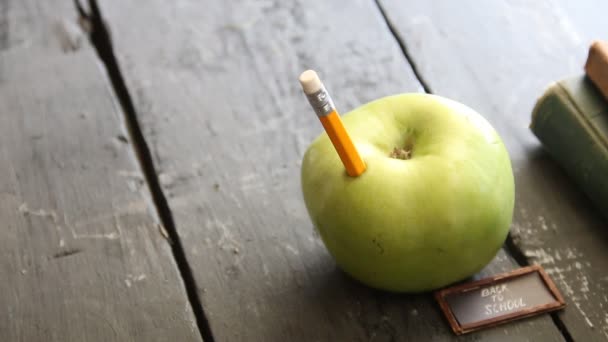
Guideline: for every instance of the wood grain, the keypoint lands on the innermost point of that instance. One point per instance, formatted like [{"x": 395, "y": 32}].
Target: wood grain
[
  {"x": 498, "y": 57},
  {"x": 215, "y": 87},
  {"x": 81, "y": 255}
]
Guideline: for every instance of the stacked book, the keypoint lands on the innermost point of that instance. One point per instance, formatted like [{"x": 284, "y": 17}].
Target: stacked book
[{"x": 571, "y": 121}]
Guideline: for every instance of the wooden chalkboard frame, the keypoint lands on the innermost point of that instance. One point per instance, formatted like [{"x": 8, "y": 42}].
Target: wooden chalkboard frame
[{"x": 459, "y": 329}]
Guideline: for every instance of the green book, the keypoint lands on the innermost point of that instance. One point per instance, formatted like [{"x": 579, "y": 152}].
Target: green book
[{"x": 571, "y": 121}]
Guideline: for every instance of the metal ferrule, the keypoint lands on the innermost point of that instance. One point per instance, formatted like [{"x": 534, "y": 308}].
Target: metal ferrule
[{"x": 321, "y": 102}]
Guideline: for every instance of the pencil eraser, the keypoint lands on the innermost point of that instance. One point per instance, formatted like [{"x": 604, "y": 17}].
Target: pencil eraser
[{"x": 310, "y": 82}]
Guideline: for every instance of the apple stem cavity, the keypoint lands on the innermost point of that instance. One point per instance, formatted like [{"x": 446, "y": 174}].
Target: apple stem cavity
[{"x": 401, "y": 153}]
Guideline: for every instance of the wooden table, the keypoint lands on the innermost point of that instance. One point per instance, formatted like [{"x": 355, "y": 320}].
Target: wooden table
[{"x": 149, "y": 177}]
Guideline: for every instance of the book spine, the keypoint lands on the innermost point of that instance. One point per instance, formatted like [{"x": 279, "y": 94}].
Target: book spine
[{"x": 572, "y": 140}]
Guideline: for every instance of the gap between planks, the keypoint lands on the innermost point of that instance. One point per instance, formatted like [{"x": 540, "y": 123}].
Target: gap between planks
[
  {"x": 101, "y": 40},
  {"x": 404, "y": 49}
]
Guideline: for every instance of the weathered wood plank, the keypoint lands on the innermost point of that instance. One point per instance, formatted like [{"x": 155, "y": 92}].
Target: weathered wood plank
[
  {"x": 498, "y": 57},
  {"x": 215, "y": 87},
  {"x": 81, "y": 255}
]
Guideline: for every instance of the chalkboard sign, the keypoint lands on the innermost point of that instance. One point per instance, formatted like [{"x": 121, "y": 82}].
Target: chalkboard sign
[{"x": 499, "y": 299}]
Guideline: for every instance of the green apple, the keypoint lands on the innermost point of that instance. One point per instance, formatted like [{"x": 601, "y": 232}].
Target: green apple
[{"x": 434, "y": 205}]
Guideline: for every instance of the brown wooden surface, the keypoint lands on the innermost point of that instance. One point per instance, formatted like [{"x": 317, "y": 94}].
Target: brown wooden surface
[
  {"x": 81, "y": 256},
  {"x": 215, "y": 89},
  {"x": 498, "y": 57}
]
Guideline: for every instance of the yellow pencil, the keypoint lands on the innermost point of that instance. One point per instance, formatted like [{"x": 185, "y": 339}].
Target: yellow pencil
[{"x": 326, "y": 111}]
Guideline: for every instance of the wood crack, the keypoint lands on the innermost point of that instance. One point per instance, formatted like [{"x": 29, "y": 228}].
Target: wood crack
[
  {"x": 404, "y": 49},
  {"x": 66, "y": 253},
  {"x": 101, "y": 40}
]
